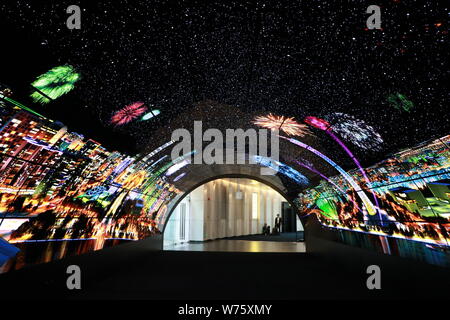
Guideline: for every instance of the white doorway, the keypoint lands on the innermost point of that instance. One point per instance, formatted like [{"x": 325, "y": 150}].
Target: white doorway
[{"x": 177, "y": 230}]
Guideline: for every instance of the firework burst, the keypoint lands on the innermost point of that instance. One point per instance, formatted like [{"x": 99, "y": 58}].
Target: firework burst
[
  {"x": 128, "y": 113},
  {"x": 355, "y": 130},
  {"x": 285, "y": 124},
  {"x": 54, "y": 83},
  {"x": 400, "y": 102}
]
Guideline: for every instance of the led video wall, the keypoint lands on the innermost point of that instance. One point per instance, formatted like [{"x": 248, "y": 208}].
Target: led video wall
[
  {"x": 411, "y": 191},
  {"x": 63, "y": 194}
]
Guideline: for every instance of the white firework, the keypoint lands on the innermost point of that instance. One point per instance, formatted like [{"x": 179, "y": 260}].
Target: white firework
[{"x": 355, "y": 130}]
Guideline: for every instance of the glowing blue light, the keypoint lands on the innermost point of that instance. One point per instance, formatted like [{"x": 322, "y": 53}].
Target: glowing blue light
[
  {"x": 283, "y": 169},
  {"x": 179, "y": 177},
  {"x": 177, "y": 167},
  {"x": 151, "y": 114}
]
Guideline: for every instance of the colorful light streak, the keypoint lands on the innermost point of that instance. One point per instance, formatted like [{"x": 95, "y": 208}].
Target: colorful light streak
[
  {"x": 158, "y": 161},
  {"x": 157, "y": 150},
  {"x": 41, "y": 144},
  {"x": 312, "y": 169},
  {"x": 369, "y": 206},
  {"x": 320, "y": 174},
  {"x": 177, "y": 167},
  {"x": 21, "y": 106},
  {"x": 325, "y": 126},
  {"x": 181, "y": 175},
  {"x": 282, "y": 168}
]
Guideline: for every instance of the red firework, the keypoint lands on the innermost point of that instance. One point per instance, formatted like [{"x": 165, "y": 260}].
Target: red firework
[{"x": 128, "y": 113}]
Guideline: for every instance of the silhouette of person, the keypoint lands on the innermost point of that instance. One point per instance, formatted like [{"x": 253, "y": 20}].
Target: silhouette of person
[
  {"x": 277, "y": 226},
  {"x": 264, "y": 228}
]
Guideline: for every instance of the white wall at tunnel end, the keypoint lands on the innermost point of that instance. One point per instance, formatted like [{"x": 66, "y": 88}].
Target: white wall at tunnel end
[
  {"x": 196, "y": 215},
  {"x": 215, "y": 211}
]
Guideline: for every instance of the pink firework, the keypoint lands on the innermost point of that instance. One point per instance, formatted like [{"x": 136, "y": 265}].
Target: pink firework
[
  {"x": 285, "y": 124},
  {"x": 128, "y": 113},
  {"x": 318, "y": 123}
]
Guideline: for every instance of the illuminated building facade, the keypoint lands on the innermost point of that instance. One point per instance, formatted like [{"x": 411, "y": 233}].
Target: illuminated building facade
[{"x": 55, "y": 184}]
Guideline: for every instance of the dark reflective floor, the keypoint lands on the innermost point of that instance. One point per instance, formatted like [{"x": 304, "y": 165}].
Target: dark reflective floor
[
  {"x": 239, "y": 246},
  {"x": 134, "y": 271}
]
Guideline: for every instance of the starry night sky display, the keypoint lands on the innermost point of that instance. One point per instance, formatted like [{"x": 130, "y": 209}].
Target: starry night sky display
[{"x": 292, "y": 58}]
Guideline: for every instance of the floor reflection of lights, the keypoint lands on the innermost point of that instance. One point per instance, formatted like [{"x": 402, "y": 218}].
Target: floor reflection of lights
[{"x": 239, "y": 246}]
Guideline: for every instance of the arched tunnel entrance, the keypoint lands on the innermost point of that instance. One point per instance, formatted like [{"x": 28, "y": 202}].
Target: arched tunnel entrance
[{"x": 233, "y": 207}]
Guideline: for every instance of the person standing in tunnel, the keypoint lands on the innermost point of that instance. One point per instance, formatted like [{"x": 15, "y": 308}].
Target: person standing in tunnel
[{"x": 277, "y": 227}]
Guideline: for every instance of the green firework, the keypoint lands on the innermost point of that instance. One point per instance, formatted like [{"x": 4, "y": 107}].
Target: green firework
[
  {"x": 400, "y": 102},
  {"x": 54, "y": 83}
]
